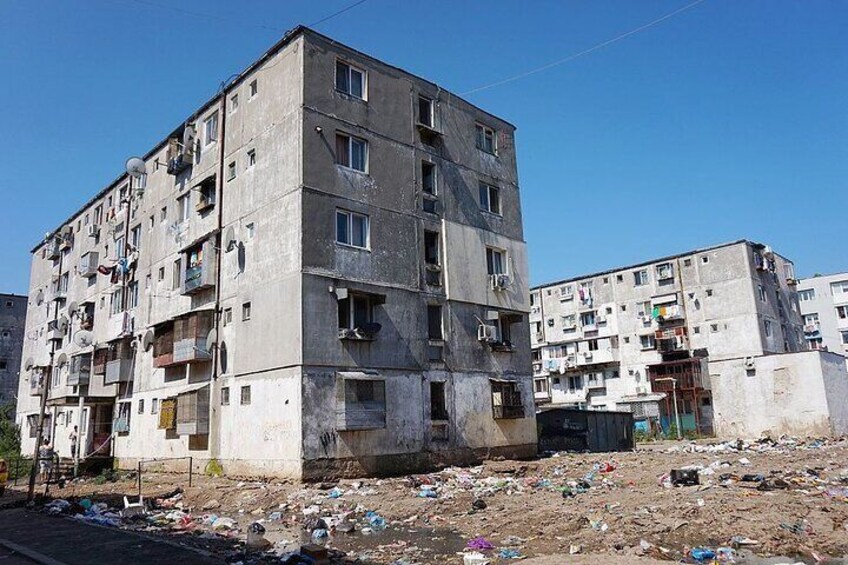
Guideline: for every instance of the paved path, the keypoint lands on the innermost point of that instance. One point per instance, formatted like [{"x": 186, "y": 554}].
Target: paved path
[{"x": 31, "y": 537}]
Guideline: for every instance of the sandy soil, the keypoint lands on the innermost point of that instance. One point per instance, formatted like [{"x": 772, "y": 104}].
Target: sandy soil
[{"x": 624, "y": 515}]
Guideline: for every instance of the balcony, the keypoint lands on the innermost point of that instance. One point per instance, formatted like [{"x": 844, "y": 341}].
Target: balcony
[
  {"x": 88, "y": 264},
  {"x": 100, "y": 357},
  {"x": 596, "y": 382},
  {"x": 54, "y": 249},
  {"x": 36, "y": 381},
  {"x": 598, "y": 356},
  {"x": 190, "y": 335},
  {"x": 163, "y": 345},
  {"x": 193, "y": 412},
  {"x": 686, "y": 374},
  {"x": 668, "y": 313},
  {"x": 812, "y": 331},
  {"x": 55, "y": 331},
  {"x": 119, "y": 362},
  {"x": 200, "y": 268},
  {"x": 80, "y": 370},
  {"x": 60, "y": 294}
]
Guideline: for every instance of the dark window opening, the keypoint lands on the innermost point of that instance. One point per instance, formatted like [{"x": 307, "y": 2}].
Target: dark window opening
[{"x": 438, "y": 402}]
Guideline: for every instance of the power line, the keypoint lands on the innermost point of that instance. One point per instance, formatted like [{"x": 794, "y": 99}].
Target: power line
[
  {"x": 340, "y": 12},
  {"x": 586, "y": 51}
]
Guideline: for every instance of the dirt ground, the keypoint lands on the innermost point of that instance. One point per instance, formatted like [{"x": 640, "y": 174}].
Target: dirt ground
[{"x": 568, "y": 508}]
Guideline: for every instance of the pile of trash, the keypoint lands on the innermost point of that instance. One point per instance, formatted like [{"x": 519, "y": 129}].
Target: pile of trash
[
  {"x": 480, "y": 551},
  {"x": 762, "y": 445}
]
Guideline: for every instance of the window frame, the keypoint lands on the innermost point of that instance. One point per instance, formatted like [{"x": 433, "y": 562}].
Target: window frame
[
  {"x": 210, "y": 129},
  {"x": 347, "y": 162},
  {"x": 349, "y": 232},
  {"x": 638, "y": 276},
  {"x": 348, "y": 69},
  {"x": 480, "y": 132},
  {"x": 489, "y": 190},
  {"x": 491, "y": 253}
]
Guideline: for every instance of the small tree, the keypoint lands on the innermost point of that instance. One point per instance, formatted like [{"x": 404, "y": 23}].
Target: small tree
[{"x": 10, "y": 433}]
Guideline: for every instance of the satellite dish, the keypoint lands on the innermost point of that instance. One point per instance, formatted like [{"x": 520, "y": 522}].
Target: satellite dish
[
  {"x": 62, "y": 359},
  {"x": 147, "y": 340},
  {"x": 63, "y": 323},
  {"x": 136, "y": 167},
  {"x": 39, "y": 297},
  {"x": 211, "y": 340},
  {"x": 73, "y": 308},
  {"x": 229, "y": 239},
  {"x": 28, "y": 364},
  {"x": 83, "y": 338}
]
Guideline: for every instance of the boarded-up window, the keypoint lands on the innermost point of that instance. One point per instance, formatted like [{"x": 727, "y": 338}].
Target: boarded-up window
[
  {"x": 168, "y": 414},
  {"x": 506, "y": 400},
  {"x": 360, "y": 403}
]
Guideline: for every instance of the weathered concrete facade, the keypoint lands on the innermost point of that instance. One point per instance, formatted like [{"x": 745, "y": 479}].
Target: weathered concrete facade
[
  {"x": 330, "y": 223},
  {"x": 800, "y": 394},
  {"x": 12, "y": 324},
  {"x": 612, "y": 341},
  {"x": 824, "y": 308}
]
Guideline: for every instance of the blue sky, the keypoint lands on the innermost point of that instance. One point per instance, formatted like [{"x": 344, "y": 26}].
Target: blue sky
[{"x": 726, "y": 121}]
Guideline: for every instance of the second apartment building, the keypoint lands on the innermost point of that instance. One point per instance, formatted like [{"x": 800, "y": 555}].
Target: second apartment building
[
  {"x": 824, "y": 306},
  {"x": 615, "y": 340},
  {"x": 323, "y": 274}
]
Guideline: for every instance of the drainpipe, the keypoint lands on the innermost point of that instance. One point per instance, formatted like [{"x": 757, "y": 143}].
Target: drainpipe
[{"x": 215, "y": 388}]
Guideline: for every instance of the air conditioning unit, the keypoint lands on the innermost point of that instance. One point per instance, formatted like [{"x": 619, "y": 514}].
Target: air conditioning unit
[
  {"x": 499, "y": 282},
  {"x": 93, "y": 231},
  {"x": 641, "y": 390},
  {"x": 487, "y": 334}
]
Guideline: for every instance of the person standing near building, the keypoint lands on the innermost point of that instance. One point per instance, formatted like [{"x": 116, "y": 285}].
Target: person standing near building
[
  {"x": 45, "y": 459},
  {"x": 73, "y": 437}
]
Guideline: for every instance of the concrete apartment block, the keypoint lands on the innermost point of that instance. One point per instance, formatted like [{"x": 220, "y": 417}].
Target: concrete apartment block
[
  {"x": 824, "y": 307},
  {"x": 324, "y": 274},
  {"x": 12, "y": 321},
  {"x": 612, "y": 340}
]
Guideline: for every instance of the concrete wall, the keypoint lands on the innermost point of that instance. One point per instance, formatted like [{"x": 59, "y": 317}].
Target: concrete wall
[
  {"x": 830, "y": 329},
  {"x": 795, "y": 393},
  {"x": 12, "y": 327}
]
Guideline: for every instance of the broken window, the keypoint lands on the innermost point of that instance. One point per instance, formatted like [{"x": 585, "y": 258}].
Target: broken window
[
  {"x": 431, "y": 247},
  {"x": 360, "y": 403},
  {"x": 434, "y": 322},
  {"x": 351, "y": 152},
  {"x": 356, "y": 311},
  {"x": 490, "y": 198},
  {"x": 428, "y": 177},
  {"x": 425, "y": 112},
  {"x": 207, "y": 194},
  {"x": 438, "y": 401},
  {"x": 350, "y": 80},
  {"x": 665, "y": 271},
  {"x": 486, "y": 139},
  {"x": 506, "y": 400}
]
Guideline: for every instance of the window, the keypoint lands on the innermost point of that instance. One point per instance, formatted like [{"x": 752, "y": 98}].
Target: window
[
  {"x": 574, "y": 383},
  {"x": 486, "y": 139},
  {"x": 245, "y": 395},
  {"x": 490, "y": 198},
  {"x": 566, "y": 292},
  {"x": 587, "y": 319},
  {"x": 709, "y": 292},
  {"x": 163, "y": 214},
  {"x": 251, "y": 157},
  {"x": 98, "y": 214},
  {"x": 714, "y": 328},
  {"x": 3, "y": 364},
  {"x": 428, "y": 177},
  {"x": 254, "y": 88},
  {"x": 647, "y": 342},
  {"x": 352, "y": 229},
  {"x": 135, "y": 237},
  {"x": 151, "y": 222},
  {"x": 154, "y": 407},
  {"x": 117, "y": 300},
  {"x": 842, "y": 312},
  {"x": 495, "y": 261},
  {"x": 231, "y": 171},
  {"x": 351, "y": 152},
  {"x": 811, "y": 319},
  {"x": 434, "y": 322},
  {"x": 210, "y": 129},
  {"x": 234, "y": 103},
  {"x": 767, "y": 327},
  {"x": 592, "y": 344},
  {"x": 807, "y": 294},
  {"x": 228, "y": 316},
  {"x": 184, "y": 206},
  {"x": 705, "y": 259},
  {"x": 161, "y": 273},
  {"x": 133, "y": 294},
  {"x": 640, "y": 278},
  {"x": 665, "y": 271},
  {"x": 506, "y": 400},
  {"x": 251, "y": 230},
  {"x": 177, "y": 274},
  {"x": 355, "y": 311},
  {"x": 567, "y": 322},
  {"x": 245, "y": 311},
  {"x": 840, "y": 287},
  {"x": 687, "y": 262},
  {"x": 431, "y": 247},
  {"x": 361, "y": 404},
  {"x": 225, "y": 396},
  {"x": 438, "y": 401},
  {"x": 761, "y": 290},
  {"x": 844, "y": 334},
  {"x": 350, "y": 80},
  {"x": 141, "y": 406},
  {"x": 425, "y": 112}
]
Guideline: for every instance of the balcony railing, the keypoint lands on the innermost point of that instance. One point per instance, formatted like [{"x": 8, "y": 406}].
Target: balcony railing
[{"x": 88, "y": 264}]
